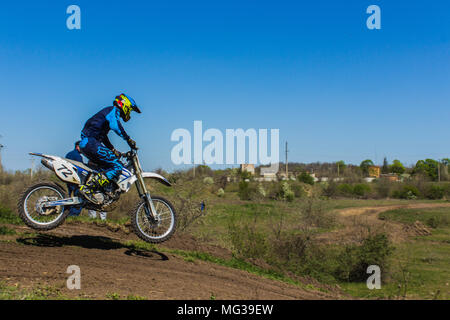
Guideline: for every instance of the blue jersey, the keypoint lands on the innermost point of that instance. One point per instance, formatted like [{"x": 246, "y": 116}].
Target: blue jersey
[
  {"x": 99, "y": 125},
  {"x": 74, "y": 155}
]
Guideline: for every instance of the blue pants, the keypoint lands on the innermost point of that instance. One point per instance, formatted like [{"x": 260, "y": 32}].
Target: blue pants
[
  {"x": 74, "y": 210},
  {"x": 102, "y": 156}
]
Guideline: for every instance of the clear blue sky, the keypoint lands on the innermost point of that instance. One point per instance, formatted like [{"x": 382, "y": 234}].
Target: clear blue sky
[{"x": 336, "y": 90}]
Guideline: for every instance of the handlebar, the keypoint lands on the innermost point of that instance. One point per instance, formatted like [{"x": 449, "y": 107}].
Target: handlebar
[{"x": 128, "y": 155}]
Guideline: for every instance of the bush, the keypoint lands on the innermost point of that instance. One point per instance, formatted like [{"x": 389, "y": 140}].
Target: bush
[
  {"x": 245, "y": 175},
  {"x": 406, "y": 192},
  {"x": 247, "y": 241},
  {"x": 220, "y": 192},
  {"x": 361, "y": 189},
  {"x": 294, "y": 250},
  {"x": 435, "y": 192},
  {"x": 383, "y": 188},
  {"x": 345, "y": 189},
  {"x": 272, "y": 189},
  {"x": 354, "y": 260},
  {"x": 188, "y": 201},
  {"x": 305, "y": 177},
  {"x": 447, "y": 189},
  {"x": 299, "y": 190},
  {"x": 7, "y": 216},
  {"x": 261, "y": 191},
  {"x": 286, "y": 192},
  {"x": 208, "y": 180},
  {"x": 331, "y": 190},
  {"x": 247, "y": 190}
]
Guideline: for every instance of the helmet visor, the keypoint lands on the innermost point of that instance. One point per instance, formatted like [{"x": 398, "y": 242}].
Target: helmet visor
[{"x": 136, "y": 108}]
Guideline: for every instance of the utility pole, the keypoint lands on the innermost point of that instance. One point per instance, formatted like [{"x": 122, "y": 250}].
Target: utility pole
[
  {"x": 287, "y": 169},
  {"x": 32, "y": 168},
  {"x": 1, "y": 147},
  {"x": 439, "y": 170}
]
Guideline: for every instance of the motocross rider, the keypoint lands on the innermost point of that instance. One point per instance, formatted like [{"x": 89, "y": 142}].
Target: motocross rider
[{"x": 96, "y": 146}]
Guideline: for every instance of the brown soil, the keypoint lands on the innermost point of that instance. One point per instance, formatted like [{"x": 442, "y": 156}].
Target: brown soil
[{"x": 109, "y": 266}]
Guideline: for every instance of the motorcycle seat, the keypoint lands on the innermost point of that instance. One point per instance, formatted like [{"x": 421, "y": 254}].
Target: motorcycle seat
[{"x": 81, "y": 165}]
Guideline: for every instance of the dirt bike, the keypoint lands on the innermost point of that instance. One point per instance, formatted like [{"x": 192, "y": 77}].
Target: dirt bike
[{"x": 44, "y": 206}]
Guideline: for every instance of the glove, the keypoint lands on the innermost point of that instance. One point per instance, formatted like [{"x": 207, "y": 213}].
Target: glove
[
  {"x": 116, "y": 153},
  {"x": 132, "y": 143}
]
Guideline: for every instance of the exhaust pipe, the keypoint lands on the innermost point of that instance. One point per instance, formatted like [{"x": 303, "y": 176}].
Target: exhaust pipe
[{"x": 47, "y": 164}]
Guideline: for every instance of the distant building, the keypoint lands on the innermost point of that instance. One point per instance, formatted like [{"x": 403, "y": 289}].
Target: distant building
[
  {"x": 248, "y": 167},
  {"x": 268, "y": 176},
  {"x": 404, "y": 176},
  {"x": 374, "y": 171},
  {"x": 390, "y": 177},
  {"x": 282, "y": 176}
]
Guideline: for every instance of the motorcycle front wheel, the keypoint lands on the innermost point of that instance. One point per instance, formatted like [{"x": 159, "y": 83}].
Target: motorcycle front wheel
[{"x": 154, "y": 231}]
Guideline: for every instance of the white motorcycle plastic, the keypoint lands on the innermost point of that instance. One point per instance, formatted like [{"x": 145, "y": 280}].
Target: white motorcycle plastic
[{"x": 44, "y": 206}]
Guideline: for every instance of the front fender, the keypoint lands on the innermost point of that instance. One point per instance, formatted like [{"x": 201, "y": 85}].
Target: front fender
[{"x": 156, "y": 176}]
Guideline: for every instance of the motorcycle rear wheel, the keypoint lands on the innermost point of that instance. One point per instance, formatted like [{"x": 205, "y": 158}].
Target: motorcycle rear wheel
[{"x": 34, "y": 215}]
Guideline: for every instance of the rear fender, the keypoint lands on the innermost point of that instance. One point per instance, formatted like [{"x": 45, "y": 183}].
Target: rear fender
[{"x": 63, "y": 169}]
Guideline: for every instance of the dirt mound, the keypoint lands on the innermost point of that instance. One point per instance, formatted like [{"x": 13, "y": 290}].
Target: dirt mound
[
  {"x": 109, "y": 266},
  {"x": 417, "y": 229}
]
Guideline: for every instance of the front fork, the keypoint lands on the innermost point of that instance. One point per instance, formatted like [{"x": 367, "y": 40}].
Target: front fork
[{"x": 150, "y": 210}]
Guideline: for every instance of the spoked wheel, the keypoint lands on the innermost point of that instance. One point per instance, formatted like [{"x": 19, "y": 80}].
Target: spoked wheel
[
  {"x": 32, "y": 209},
  {"x": 154, "y": 231}
]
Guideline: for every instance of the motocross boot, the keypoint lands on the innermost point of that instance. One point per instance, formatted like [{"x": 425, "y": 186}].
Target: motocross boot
[{"x": 96, "y": 182}]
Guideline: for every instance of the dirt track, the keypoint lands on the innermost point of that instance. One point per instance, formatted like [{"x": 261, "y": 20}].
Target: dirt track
[
  {"x": 356, "y": 223},
  {"x": 378, "y": 209},
  {"x": 109, "y": 266}
]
